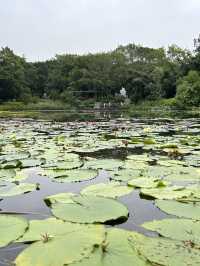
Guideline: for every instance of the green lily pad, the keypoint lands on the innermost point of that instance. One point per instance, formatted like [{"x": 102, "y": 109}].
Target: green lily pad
[
  {"x": 11, "y": 164},
  {"x": 173, "y": 192},
  {"x": 115, "y": 250},
  {"x": 109, "y": 190},
  {"x": 178, "y": 229},
  {"x": 147, "y": 183},
  {"x": 125, "y": 174},
  {"x": 139, "y": 158},
  {"x": 7, "y": 174},
  {"x": 60, "y": 198},
  {"x": 166, "y": 252},
  {"x": 65, "y": 176},
  {"x": 185, "y": 210},
  {"x": 51, "y": 227},
  {"x": 67, "y": 165},
  {"x": 20, "y": 175},
  {"x": 27, "y": 163},
  {"x": 15, "y": 156},
  {"x": 62, "y": 250},
  {"x": 131, "y": 164},
  {"x": 180, "y": 173},
  {"x": 11, "y": 228},
  {"x": 13, "y": 189},
  {"x": 105, "y": 164},
  {"x": 90, "y": 209}
]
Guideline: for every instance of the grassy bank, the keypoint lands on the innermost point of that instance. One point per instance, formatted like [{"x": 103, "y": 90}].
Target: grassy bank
[
  {"x": 83, "y": 110},
  {"x": 39, "y": 105}
]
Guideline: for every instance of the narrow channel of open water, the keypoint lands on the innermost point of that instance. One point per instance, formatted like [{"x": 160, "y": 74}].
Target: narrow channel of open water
[{"x": 32, "y": 206}]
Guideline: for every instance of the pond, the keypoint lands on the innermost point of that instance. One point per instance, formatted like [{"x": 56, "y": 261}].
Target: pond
[{"x": 120, "y": 190}]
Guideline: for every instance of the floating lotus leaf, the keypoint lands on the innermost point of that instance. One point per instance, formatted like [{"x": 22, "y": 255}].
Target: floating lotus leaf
[
  {"x": 26, "y": 163},
  {"x": 179, "y": 152},
  {"x": 15, "y": 156},
  {"x": 50, "y": 155},
  {"x": 68, "y": 165},
  {"x": 59, "y": 198},
  {"x": 166, "y": 252},
  {"x": 171, "y": 163},
  {"x": 180, "y": 173},
  {"x": 139, "y": 158},
  {"x": 90, "y": 209},
  {"x": 130, "y": 164},
  {"x": 20, "y": 175},
  {"x": 11, "y": 228},
  {"x": 125, "y": 174},
  {"x": 70, "y": 157},
  {"x": 105, "y": 164},
  {"x": 62, "y": 250},
  {"x": 76, "y": 175},
  {"x": 158, "y": 172},
  {"x": 13, "y": 189},
  {"x": 178, "y": 229},
  {"x": 149, "y": 141},
  {"x": 109, "y": 190},
  {"x": 51, "y": 227},
  {"x": 11, "y": 164},
  {"x": 173, "y": 192},
  {"x": 147, "y": 182},
  {"x": 7, "y": 174},
  {"x": 116, "y": 250},
  {"x": 186, "y": 210}
]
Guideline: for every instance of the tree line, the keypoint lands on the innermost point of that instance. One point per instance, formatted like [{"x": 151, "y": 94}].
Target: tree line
[{"x": 146, "y": 73}]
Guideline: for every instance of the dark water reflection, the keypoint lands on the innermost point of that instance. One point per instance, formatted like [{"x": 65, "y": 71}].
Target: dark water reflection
[{"x": 104, "y": 114}]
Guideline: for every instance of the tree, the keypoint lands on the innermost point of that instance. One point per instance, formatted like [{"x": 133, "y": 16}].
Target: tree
[
  {"x": 188, "y": 90},
  {"x": 12, "y": 75}
]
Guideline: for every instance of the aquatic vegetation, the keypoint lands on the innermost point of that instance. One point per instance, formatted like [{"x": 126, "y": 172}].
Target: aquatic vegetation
[
  {"x": 11, "y": 228},
  {"x": 90, "y": 209},
  {"x": 110, "y": 190},
  {"x": 178, "y": 229},
  {"x": 85, "y": 175}
]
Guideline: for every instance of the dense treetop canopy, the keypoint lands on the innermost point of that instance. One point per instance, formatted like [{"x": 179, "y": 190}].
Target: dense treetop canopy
[{"x": 146, "y": 73}]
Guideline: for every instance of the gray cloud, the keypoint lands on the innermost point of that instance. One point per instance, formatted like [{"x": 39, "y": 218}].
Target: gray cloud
[{"x": 41, "y": 28}]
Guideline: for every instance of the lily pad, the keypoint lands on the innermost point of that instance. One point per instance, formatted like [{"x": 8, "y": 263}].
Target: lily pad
[
  {"x": 65, "y": 176},
  {"x": 11, "y": 164},
  {"x": 115, "y": 250},
  {"x": 15, "y": 156},
  {"x": 67, "y": 165},
  {"x": 90, "y": 209},
  {"x": 105, "y": 164},
  {"x": 186, "y": 210},
  {"x": 60, "y": 198},
  {"x": 62, "y": 250},
  {"x": 125, "y": 174},
  {"x": 130, "y": 164},
  {"x": 7, "y": 174},
  {"x": 178, "y": 229},
  {"x": 166, "y": 252},
  {"x": 51, "y": 227},
  {"x": 139, "y": 158},
  {"x": 11, "y": 228},
  {"x": 13, "y": 189},
  {"x": 147, "y": 183},
  {"x": 173, "y": 192},
  {"x": 26, "y": 163},
  {"x": 109, "y": 190}
]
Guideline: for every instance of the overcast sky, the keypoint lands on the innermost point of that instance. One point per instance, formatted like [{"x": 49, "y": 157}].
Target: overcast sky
[{"x": 39, "y": 29}]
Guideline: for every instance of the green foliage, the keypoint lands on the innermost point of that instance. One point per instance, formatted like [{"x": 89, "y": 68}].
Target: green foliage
[
  {"x": 148, "y": 74},
  {"x": 188, "y": 90}
]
